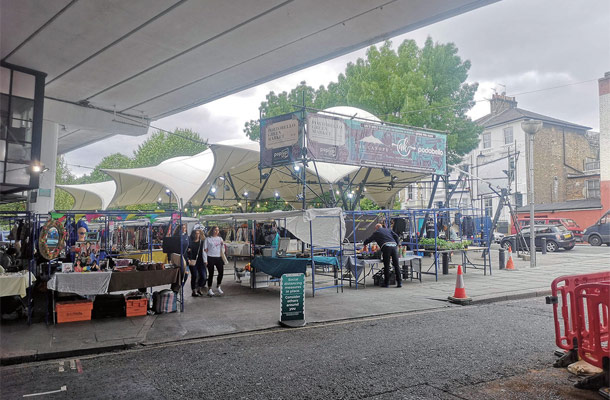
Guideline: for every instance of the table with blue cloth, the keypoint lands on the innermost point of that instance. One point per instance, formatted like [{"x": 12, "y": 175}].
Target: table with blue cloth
[{"x": 276, "y": 266}]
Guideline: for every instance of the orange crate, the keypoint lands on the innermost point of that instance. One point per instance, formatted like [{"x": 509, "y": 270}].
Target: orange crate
[
  {"x": 71, "y": 311},
  {"x": 136, "y": 308}
]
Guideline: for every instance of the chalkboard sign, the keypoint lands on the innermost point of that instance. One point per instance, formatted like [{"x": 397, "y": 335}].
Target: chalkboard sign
[{"x": 292, "y": 300}]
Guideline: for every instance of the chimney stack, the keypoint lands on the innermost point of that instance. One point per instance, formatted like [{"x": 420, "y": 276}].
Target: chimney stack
[{"x": 501, "y": 102}]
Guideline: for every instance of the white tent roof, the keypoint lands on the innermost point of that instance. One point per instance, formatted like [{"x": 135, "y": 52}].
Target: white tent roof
[
  {"x": 181, "y": 175},
  {"x": 327, "y": 224},
  {"x": 91, "y": 196}
]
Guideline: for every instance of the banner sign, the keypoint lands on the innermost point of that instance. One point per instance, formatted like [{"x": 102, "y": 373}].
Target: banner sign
[
  {"x": 280, "y": 140},
  {"x": 365, "y": 226},
  {"x": 292, "y": 300},
  {"x": 367, "y": 144}
]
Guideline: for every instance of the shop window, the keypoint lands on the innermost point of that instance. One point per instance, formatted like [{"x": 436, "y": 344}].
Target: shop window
[
  {"x": 488, "y": 207},
  {"x": 593, "y": 191},
  {"x": 20, "y": 128},
  {"x": 487, "y": 140},
  {"x": 508, "y": 135}
]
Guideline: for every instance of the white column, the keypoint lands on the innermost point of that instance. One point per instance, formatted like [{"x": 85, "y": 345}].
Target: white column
[{"x": 45, "y": 199}]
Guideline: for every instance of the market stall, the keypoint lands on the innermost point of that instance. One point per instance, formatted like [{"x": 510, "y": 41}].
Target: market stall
[{"x": 320, "y": 230}]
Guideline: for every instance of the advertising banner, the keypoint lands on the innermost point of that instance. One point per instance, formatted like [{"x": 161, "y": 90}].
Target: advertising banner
[
  {"x": 367, "y": 144},
  {"x": 280, "y": 140}
]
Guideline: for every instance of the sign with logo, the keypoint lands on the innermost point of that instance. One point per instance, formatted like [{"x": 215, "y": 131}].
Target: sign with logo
[
  {"x": 292, "y": 300},
  {"x": 353, "y": 142},
  {"x": 280, "y": 140}
]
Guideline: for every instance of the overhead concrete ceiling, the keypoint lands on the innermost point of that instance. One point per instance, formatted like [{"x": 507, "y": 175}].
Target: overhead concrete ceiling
[{"x": 148, "y": 59}]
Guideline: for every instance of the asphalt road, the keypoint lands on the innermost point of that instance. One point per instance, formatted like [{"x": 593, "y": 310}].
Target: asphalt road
[{"x": 500, "y": 350}]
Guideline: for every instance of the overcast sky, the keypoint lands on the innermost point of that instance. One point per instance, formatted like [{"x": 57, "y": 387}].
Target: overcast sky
[{"x": 547, "y": 53}]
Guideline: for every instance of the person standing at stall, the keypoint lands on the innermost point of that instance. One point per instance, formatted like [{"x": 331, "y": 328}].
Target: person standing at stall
[
  {"x": 213, "y": 246},
  {"x": 197, "y": 262},
  {"x": 388, "y": 241}
]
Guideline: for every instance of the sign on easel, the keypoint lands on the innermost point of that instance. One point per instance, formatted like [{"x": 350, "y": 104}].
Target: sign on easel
[{"x": 292, "y": 300}]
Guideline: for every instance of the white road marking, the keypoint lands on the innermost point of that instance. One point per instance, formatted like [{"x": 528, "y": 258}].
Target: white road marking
[{"x": 62, "y": 389}]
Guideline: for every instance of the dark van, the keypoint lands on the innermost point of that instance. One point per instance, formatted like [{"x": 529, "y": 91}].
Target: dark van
[{"x": 599, "y": 232}]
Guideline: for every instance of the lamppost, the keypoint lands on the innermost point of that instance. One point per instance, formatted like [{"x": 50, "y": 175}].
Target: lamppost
[
  {"x": 531, "y": 127},
  {"x": 246, "y": 197}
]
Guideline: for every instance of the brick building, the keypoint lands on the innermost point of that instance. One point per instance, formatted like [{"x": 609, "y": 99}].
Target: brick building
[{"x": 566, "y": 165}]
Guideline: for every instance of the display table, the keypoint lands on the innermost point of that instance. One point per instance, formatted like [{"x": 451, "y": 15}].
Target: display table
[
  {"x": 81, "y": 283},
  {"x": 143, "y": 279},
  {"x": 158, "y": 256},
  {"x": 276, "y": 266},
  {"x": 15, "y": 283},
  {"x": 92, "y": 283}
]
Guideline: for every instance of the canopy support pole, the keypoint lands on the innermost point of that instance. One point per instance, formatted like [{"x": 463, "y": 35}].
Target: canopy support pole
[
  {"x": 233, "y": 187},
  {"x": 258, "y": 196},
  {"x": 361, "y": 189}
]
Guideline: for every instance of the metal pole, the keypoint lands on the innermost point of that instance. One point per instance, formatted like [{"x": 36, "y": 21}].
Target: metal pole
[{"x": 530, "y": 127}]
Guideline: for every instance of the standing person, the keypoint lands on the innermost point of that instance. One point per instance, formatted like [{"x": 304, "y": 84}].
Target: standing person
[
  {"x": 212, "y": 246},
  {"x": 388, "y": 241},
  {"x": 197, "y": 262}
]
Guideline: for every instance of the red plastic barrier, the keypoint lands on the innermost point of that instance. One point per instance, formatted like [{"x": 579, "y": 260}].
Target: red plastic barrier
[
  {"x": 592, "y": 304},
  {"x": 562, "y": 290}
]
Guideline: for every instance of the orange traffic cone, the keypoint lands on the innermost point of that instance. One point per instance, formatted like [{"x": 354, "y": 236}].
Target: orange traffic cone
[
  {"x": 510, "y": 264},
  {"x": 459, "y": 296}
]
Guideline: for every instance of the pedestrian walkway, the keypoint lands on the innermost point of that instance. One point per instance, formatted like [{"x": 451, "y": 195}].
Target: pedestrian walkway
[{"x": 243, "y": 310}]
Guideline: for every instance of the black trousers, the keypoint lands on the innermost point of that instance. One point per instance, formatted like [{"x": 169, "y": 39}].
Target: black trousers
[
  {"x": 387, "y": 252},
  {"x": 220, "y": 266}
]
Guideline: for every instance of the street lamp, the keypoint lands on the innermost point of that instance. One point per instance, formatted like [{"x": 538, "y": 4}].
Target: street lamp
[
  {"x": 531, "y": 127},
  {"x": 246, "y": 197},
  {"x": 169, "y": 196}
]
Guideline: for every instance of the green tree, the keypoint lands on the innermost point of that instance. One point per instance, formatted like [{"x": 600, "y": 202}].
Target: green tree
[
  {"x": 162, "y": 146},
  {"x": 424, "y": 87},
  {"x": 63, "y": 176},
  {"x": 112, "y": 161}
]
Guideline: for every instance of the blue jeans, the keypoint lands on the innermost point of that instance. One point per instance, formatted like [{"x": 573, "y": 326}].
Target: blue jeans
[{"x": 198, "y": 275}]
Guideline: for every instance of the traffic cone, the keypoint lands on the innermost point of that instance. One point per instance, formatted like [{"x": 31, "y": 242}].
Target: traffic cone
[
  {"x": 510, "y": 264},
  {"x": 459, "y": 296}
]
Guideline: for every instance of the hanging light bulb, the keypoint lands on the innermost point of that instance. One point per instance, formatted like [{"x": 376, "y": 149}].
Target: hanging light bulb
[{"x": 213, "y": 189}]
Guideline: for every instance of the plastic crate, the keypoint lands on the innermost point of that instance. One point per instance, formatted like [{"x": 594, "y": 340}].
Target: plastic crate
[
  {"x": 136, "y": 308},
  {"x": 71, "y": 311}
]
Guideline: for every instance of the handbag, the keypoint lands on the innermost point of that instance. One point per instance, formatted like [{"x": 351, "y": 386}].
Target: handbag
[
  {"x": 192, "y": 263},
  {"x": 223, "y": 255}
]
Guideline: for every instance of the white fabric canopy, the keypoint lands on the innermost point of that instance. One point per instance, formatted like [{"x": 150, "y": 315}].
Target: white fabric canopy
[
  {"x": 91, "y": 196},
  {"x": 327, "y": 224},
  {"x": 181, "y": 175}
]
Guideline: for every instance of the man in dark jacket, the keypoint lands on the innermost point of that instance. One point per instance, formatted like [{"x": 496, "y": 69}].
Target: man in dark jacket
[{"x": 388, "y": 242}]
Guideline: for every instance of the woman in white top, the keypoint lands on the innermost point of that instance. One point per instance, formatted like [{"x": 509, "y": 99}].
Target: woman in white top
[{"x": 212, "y": 246}]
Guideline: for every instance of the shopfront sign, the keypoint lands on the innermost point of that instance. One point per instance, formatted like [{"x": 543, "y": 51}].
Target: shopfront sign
[
  {"x": 292, "y": 300},
  {"x": 280, "y": 140},
  {"x": 367, "y": 144}
]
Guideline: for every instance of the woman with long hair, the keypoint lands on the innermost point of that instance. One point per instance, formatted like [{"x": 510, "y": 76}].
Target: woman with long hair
[
  {"x": 212, "y": 246},
  {"x": 197, "y": 262}
]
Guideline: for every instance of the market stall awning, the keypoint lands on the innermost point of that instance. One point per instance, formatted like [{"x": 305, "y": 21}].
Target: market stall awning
[
  {"x": 181, "y": 175},
  {"x": 91, "y": 196},
  {"x": 327, "y": 224}
]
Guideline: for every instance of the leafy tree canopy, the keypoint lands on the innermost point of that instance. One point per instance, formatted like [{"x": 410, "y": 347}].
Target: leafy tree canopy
[{"x": 424, "y": 87}]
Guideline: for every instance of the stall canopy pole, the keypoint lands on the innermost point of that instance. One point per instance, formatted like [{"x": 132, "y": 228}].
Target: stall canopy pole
[
  {"x": 430, "y": 203},
  {"x": 361, "y": 189},
  {"x": 228, "y": 174},
  {"x": 261, "y": 191}
]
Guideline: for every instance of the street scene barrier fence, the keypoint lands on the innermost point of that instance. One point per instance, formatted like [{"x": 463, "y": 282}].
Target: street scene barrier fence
[
  {"x": 562, "y": 291},
  {"x": 593, "y": 301}
]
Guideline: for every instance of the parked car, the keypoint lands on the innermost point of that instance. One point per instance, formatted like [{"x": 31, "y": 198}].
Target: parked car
[
  {"x": 557, "y": 236},
  {"x": 599, "y": 232},
  {"x": 498, "y": 237},
  {"x": 569, "y": 224}
]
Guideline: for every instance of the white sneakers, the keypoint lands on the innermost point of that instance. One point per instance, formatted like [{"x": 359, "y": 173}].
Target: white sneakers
[{"x": 218, "y": 289}]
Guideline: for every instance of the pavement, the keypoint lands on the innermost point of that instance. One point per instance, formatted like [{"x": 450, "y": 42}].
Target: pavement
[{"x": 242, "y": 309}]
